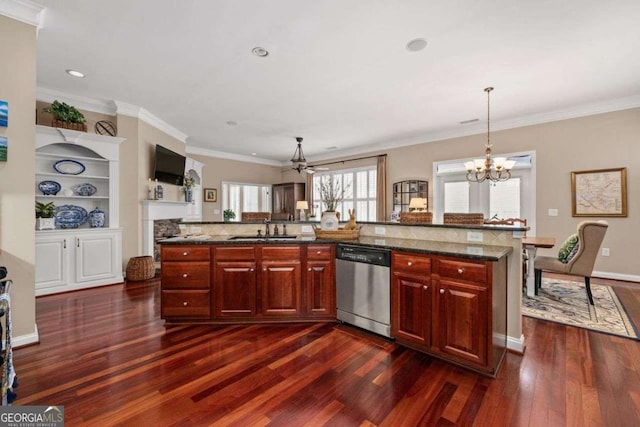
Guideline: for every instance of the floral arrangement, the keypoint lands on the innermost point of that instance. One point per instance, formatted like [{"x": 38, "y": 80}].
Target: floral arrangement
[
  {"x": 189, "y": 182},
  {"x": 332, "y": 192}
]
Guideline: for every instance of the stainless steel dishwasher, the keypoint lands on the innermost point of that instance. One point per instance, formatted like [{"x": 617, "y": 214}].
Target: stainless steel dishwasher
[{"x": 363, "y": 291}]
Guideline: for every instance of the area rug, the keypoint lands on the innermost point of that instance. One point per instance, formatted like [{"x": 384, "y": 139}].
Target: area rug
[{"x": 566, "y": 302}]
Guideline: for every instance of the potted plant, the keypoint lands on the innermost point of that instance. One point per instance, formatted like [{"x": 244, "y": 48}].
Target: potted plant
[
  {"x": 332, "y": 192},
  {"x": 44, "y": 216},
  {"x": 187, "y": 187},
  {"x": 228, "y": 215},
  {"x": 66, "y": 116}
]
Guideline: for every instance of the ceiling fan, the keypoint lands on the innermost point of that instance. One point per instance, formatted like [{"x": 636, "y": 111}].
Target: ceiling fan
[{"x": 300, "y": 163}]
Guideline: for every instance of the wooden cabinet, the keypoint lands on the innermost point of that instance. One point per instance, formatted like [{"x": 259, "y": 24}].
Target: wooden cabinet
[
  {"x": 76, "y": 259},
  {"x": 78, "y": 172},
  {"x": 452, "y": 308},
  {"x": 411, "y": 299},
  {"x": 280, "y": 281},
  {"x": 320, "y": 281},
  {"x": 185, "y": 278},
  {"x": 235, "y": 282},
  {"x": 284, "y": 198}
]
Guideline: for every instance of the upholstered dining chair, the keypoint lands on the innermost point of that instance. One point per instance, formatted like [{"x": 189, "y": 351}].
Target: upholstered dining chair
[{"x": 590, "y": 235}]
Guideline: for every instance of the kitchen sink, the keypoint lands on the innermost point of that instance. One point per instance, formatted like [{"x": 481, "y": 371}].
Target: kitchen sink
[{"x": 262, "y": 238}]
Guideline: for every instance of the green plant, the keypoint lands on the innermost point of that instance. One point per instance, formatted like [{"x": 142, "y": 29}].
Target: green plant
[
  {"x": 65, "y": 112},
  {"x": 228, "y": 214},
  {"x": 189, "y": 182},
  {"x": 45, "y": 210}
]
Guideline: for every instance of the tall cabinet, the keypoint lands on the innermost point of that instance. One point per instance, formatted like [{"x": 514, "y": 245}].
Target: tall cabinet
[
  {"x": 284, "y": 200},
  {"x": 78, "y": 172}
]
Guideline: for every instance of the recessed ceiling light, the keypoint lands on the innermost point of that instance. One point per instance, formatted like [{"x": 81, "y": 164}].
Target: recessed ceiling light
[
  {"x": 416, "y": 45},
  {"x": 333, "y": 147},
  {"x": 466, "y": 122},
  {"x": 254, "y": 154},
  {"x": 260, "y": 51},
  {"x": 75, "y": 73},
  {"x": 232, "y": 123}
]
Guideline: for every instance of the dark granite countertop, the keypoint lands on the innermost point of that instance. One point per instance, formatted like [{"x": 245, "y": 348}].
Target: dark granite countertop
[{"x": 461, "y": 250}]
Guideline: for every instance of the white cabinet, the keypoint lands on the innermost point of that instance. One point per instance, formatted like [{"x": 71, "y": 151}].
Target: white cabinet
[
  {"x": 83, "y": 168},
  {"x": 70, "y": 260}
]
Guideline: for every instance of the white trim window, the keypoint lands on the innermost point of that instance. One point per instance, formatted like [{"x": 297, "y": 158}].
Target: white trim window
[
  {"x": 514, "y": 198},
  {"x": 245, "y": 197},
  {"x": 360, "y": 192}
]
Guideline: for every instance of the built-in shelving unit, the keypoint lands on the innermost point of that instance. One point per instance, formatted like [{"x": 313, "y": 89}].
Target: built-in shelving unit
[{"x": 82, "y": 256}]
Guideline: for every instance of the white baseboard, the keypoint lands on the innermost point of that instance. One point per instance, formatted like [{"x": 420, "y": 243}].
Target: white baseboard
[
  {"x": 516, "y": 345},
  {"x": 27, "y": 339},
  {"x": 616, "y": 276}
]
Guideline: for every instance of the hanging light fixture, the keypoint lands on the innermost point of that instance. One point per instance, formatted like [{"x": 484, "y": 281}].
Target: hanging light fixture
[
  {"x": 298, "y": 160},
  {"x": 494, "y": 170}
]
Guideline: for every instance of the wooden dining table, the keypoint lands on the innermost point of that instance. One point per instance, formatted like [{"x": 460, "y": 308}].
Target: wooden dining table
[{"x": 531, "y": 245}]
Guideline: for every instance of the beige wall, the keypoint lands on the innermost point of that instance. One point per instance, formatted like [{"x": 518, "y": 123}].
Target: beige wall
[
  {"x": 216, "y": 170},
  {"x": 17, "y": 194}
]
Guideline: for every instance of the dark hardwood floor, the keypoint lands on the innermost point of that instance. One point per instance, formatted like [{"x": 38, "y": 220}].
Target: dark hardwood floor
[{"x": 107, "y": 357}]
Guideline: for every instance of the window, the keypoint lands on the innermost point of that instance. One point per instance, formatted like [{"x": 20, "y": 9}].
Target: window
[
  {"x": 360, "y": 192},
  {"x": 241, "y": 197},
  {"x": 514, "y": 198}
]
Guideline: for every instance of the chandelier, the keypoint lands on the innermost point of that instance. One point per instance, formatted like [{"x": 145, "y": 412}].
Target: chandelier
[
  {"x": 298, "y": 160},
  {"x": 494, "y": 170}
]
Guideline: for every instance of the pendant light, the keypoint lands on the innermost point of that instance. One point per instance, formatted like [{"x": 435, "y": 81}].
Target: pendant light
[{"x": 298, "y": 160}]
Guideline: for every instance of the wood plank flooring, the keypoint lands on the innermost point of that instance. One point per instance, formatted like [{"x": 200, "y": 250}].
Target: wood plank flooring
[{"x": 107, "y": 357}]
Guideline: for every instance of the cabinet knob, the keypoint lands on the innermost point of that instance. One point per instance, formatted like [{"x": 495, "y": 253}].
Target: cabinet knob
[
  {"x": 185, "y": 275},
  {"x": 442, "y": 291},
  {"x": 185, "y": 253},
  {"x": 425, "y": 287},
  {"x": 185, "y": 303},
  {"x": 251, "y": 269},
  {"x": 309, "y": 268},
  {"x": 409, "y": 263},
  {"x": 460, "y": 270},
  {"x": 264, "y": 269},
  {"x": 318, "y": 253}
]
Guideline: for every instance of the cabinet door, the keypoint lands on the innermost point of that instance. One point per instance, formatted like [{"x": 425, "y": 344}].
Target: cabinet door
[
  {"x": 280, "y": 287},
  {"x": 462, "y": 320},
  {"x": 95, "y": 258},
  {"x": 52, "y": 263},
  {"x": 411, "y": 307},
  {"x": 321, "y": 289},
  {"x": 235, "y": 288}
]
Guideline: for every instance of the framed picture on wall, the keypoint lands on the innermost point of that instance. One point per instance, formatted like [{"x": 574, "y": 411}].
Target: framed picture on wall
[
  {"x": 210, "y": 195},
  {"x": 599, "y": 193},
  {"x": 4, "y": 113}
]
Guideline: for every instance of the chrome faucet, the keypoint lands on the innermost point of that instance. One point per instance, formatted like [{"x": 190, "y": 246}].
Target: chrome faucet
[{"x": 267, "y": 233}]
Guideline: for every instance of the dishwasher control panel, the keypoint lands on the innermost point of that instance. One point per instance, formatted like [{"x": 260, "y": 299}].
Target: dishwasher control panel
[{"x": 363, "y": 254}]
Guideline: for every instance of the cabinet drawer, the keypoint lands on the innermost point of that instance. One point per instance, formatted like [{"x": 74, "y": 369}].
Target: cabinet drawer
[
  {"x": 186, "y": 304},
  {"x": 318, "y": 252},
  {"x": 411, "y": 263},
  {"x": 181, "y": 275},
  {"x": 281, "y": 252},
  {"x": 188, "y": 253},
  {"x": 235, "y": 253},
  {"x": 463, "y": 270}
]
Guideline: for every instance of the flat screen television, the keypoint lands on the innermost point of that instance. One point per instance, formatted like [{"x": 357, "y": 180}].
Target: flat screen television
[{"x": 168, "y": 166}]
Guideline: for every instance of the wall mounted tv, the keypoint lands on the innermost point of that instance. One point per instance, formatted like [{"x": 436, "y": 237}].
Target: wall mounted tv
[{"x": 168, "y": 166}]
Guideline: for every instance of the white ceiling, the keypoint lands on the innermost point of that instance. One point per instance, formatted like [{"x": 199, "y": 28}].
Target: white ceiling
[{"x": 338, "y": 73}]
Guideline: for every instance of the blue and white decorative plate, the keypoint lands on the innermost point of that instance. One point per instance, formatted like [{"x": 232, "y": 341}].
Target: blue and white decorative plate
[
  {"x": 69, "y": 167},
  {"x": 49, "y": 188},
  {"x": 70, "y": 216},
  {"x": 85, "y": 189}
]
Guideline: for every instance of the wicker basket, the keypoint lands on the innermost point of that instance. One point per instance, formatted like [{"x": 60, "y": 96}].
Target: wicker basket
[
  {"x": 339, "y": 234},
  {"x": 140, "y": 268},
  {"x": 82, "y": 127},
  {"x": 416, "y": 217},
  {"x": 463, "y": 218}
]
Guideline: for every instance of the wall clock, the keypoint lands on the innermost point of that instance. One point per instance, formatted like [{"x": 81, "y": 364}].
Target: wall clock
[{"x": 105, "y": 127}]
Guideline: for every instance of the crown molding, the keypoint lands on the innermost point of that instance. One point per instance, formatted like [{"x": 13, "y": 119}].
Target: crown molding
[
  {"x": 81, "y": 102},
  {"x": 24, "y": 11},
  {"x": 140, "y": 113},
  {"x": 230, "y": 156}
]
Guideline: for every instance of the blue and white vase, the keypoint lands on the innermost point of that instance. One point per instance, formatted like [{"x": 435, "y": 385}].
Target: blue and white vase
[
  {"x": 329, "y": 221},
  {"x": 96, "y": 218},
  {"x": 188, "y": 195}
]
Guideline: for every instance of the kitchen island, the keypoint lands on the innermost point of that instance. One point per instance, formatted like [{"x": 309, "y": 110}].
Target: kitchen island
[{"x": 449, "y": 299}]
